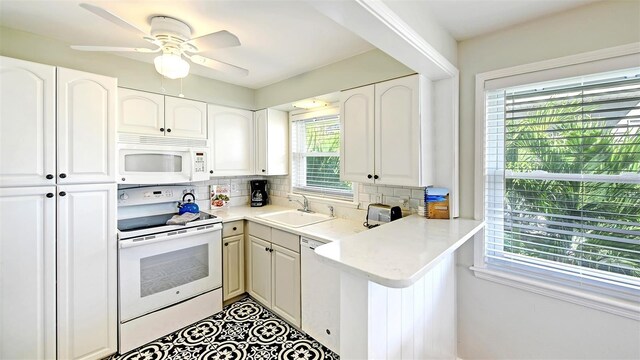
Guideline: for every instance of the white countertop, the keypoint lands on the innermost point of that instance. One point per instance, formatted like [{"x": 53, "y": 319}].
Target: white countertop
[
  {"x": 395, "y": 255},
  {"x": 399, "y": 253},
  {"x": 327, "y": 231}
]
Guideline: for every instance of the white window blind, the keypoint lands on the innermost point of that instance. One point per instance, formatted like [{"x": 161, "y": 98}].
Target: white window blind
[
  {"x": 316, "y": 158},
  {"x": 562, "y": 181}
]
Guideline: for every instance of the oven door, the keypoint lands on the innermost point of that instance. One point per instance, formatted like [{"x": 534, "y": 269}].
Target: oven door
[
  {"x": 153, "y": 166},
  {"x": 162, "y": 269}
]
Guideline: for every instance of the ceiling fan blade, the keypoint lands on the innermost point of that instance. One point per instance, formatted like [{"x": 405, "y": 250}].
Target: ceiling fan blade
[
  {"x": 113, "y": 48},
  {"x": 218, "y": 65},
  {"x": 216, "y": 40},
  {"x": 107, "y": 15}
]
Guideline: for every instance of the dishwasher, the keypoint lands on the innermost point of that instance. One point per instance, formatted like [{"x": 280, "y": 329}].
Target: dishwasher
[{"x": 320, "y": 296}]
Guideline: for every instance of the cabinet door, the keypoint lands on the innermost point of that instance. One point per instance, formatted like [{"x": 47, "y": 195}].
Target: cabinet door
[
  {"x": 285, "y": 269},
  {"x": 261, "y": 141},
  {"x": 140, "y": 112},
  {"x": 87, "y": 273},
  {"x": 259, "y": 277},
  {"x": 397, "y": 136},
  {"x": 357, "y": 134},
  {"x": 185, "y": 118},
  {"x": 233, "y": 267},
  {"x": 86, "y": 127},
  {"x": 277, "y": 141},
  {"x": 231, "y": 134},
  {"x": 27, "y": 123},
  {"x": 28, "y": 273}
]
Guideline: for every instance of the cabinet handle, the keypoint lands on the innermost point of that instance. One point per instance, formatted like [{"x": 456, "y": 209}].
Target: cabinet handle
[
  {"x": 63, "y": 175},
  {"x": 168, "y": 130},
  {"x": 161, "y": 129},
  {"x": 210, "y": 171},
  {"x": 270, "y": 250},
  {"x": 266, "y": 249},
  {"x": 226, "y": 244},
  {"x": 263, "y": 170},
  {"x": 49, "y": 176},
  {"x": 235, "y": 228},
  {"x": 62, "y": 193},
  {"x": 369, "y": 176},
  {"x": 376, "y": 177},
  {"x": 328, "y": 332},
  {"x": 49, "y": 195}
]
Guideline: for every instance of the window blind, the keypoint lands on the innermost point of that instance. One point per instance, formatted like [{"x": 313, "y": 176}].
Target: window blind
[
  {"x": 316, "y": 158},
  {"x": 562, "y": 180}
]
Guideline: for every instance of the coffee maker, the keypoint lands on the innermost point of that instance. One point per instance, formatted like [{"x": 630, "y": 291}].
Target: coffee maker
[{"x": 259, "y": 196}]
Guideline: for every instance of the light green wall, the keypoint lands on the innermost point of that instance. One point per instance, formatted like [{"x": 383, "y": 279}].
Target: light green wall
[
  {"x": 359, "y": 70},
  {"x": 372, "y": 66},
  {"x": 130, "y": 73},
  {"x": 497, "y": 321}
]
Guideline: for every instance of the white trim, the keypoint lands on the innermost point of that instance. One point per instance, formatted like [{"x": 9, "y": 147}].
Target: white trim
[
  {"x": 588, "y": 299},
  {"x": 585, "y": 298}
]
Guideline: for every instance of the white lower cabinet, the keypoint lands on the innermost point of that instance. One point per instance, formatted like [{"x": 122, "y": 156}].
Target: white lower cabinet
[
  {"x": 273, "y": 276},
  {"x": 85, "y": 266},
  {"x": 233, "y": 266},
  {"x": 87, "y": 275},
  {"x": 28, "y": 273}
]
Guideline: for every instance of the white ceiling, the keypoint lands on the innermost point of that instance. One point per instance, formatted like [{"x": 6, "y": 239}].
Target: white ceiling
[
  {"x": 280, "y": 38},
  {"x": 465, "y": 19}
]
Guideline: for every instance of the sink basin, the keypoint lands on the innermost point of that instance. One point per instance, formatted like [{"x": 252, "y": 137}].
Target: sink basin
[{"x": 295, "y": 218}]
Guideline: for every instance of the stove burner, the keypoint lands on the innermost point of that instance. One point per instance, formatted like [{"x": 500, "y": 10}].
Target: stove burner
[{"x": 153, "y": 221}]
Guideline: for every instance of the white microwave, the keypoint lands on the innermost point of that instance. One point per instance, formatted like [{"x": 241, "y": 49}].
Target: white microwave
[{"x": 139, "y": 164}]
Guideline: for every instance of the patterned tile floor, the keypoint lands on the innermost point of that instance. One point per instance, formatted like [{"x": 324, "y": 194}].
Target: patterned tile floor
[{"x": 243, "y": 330}]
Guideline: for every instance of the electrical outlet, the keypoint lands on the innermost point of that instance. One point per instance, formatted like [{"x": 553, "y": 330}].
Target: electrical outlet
[
  {"x": 376, "y": 198},
  {"x": 234, "y": 187}
]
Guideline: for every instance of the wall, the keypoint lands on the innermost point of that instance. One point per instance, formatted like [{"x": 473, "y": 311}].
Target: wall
[
  {"x": 500, "y": 322},
  {"x": 130, "y": 73},
  {"x": 367, "y": 68}
]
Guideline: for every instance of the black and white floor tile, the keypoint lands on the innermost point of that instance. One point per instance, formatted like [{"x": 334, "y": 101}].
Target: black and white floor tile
[{"x": 243, "y": 330}]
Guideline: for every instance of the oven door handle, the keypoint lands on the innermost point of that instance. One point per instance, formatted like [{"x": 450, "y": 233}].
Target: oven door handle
[{"x": 129, "y": 243}]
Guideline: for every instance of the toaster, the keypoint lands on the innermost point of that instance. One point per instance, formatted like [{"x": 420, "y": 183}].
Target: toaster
[{"x": 380, "y": 213}]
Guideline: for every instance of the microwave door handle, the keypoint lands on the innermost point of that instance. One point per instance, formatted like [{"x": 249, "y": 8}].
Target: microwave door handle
[{"x": 124, "y": 244}]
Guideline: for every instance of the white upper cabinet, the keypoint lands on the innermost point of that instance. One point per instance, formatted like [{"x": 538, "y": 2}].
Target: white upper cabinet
[
  {"x": 387, "y": 133},
  {"x": 185, "y": 118},
  {"x": 153, "y": 114},
  {"x": 87, "y": 274},
  {"x": 231, "y": 135},
  {"x": 86, "y": 127},
  {"x": 397, "y": 132},
  {"x": 272, "y": 142},
  {"x": 28, "y": 273},
  {"x": 27, "y": 123},
  {"x": 140, "y": 112},
  {"x": 357, "y": 134}
]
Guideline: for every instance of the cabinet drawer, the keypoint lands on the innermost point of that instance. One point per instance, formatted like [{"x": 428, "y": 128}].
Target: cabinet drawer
[
  {"x": 286, "y": 240},
  {"x": 232, "y": 228},
  {"x": 260, "y": 231}
]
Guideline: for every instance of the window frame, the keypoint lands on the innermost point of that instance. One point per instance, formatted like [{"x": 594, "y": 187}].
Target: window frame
[
  {"x": 541, "y": 281},
  {"x": 294, "y": 193}
]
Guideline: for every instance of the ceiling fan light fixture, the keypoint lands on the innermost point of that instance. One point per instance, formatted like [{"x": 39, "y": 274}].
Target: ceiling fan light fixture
[{"x": 171, "y": 65}]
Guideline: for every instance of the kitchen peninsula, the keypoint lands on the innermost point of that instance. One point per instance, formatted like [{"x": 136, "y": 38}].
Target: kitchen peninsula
[{"x": 397, "y": 292}]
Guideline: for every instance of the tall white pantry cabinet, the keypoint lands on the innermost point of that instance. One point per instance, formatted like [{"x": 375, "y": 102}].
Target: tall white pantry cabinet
[{"x": 58, "y": 246}]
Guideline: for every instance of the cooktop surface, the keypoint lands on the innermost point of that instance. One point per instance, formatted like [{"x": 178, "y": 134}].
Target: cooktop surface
[{"x": 153, "y": 221}]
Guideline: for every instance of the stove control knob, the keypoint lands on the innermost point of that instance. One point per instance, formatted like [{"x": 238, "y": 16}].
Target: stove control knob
[{"x": 124, "y": 196}]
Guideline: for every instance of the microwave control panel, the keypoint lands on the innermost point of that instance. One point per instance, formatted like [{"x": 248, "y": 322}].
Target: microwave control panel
[{"x": 199, "y": 162}]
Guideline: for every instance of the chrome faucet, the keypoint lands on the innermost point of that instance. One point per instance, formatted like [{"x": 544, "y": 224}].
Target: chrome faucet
[{"x": 305, "y": 204}]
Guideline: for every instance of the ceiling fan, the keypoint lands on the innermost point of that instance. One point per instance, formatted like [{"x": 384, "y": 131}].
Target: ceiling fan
[{"x": 173, "y": 40}]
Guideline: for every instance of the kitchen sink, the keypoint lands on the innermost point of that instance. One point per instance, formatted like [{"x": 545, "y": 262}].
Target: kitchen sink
[{"x": 295, "y": 218}]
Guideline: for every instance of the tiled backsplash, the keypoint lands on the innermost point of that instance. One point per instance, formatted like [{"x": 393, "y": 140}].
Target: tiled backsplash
[{"x": 280, "y": 186}]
